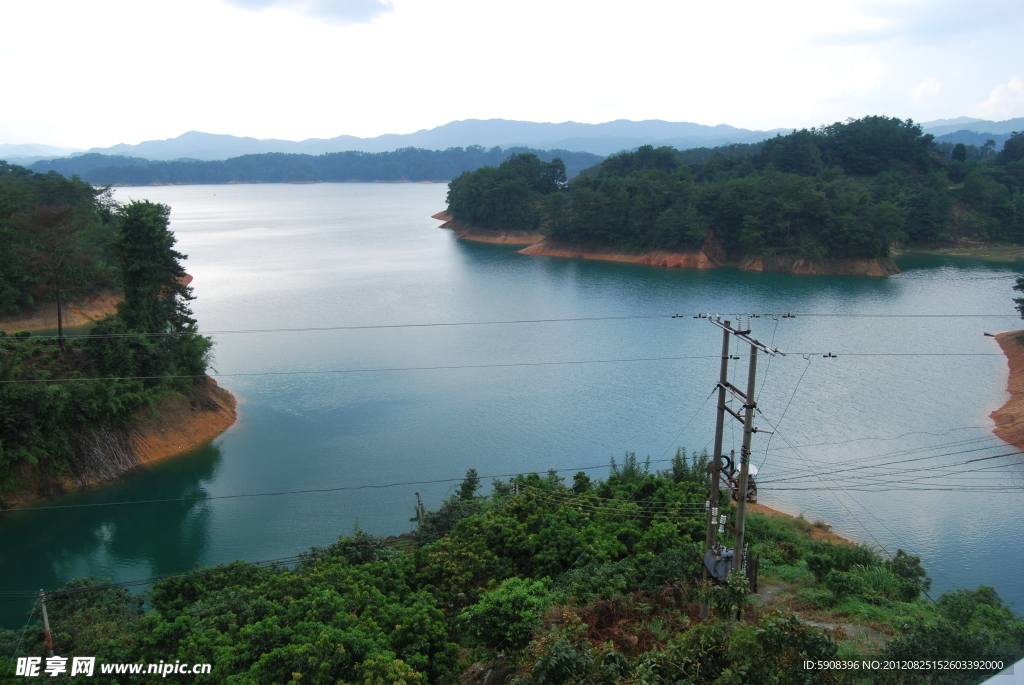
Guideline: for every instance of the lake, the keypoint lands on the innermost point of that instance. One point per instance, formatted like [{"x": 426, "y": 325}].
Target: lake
[{"x": 385, "y": 404}]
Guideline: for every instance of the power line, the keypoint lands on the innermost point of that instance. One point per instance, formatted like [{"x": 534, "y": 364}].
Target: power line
[
  {"x": 295, "y": 492},
  {"x": 902, "y": 461},
  {"x": 577, "y": 362},
  {"x": 869, "y": 512},
  {"x": 442, "y": 324},
  {"x": 377, "y": 370}
]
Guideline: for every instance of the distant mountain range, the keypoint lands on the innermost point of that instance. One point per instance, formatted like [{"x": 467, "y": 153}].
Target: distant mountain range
[
  {"x": 973, "y": 131},
  {"x": 601, "y": 139},
  {"x": 27, "y": 153},
  {"x": 943, "y": 127}
]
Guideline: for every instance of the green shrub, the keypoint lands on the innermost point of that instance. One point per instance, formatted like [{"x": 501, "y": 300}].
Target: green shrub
[
  {"x": 507, "y": 615},
  {"x": 599, "y": 580},
  {"x": 681, "y": 562},
  {"x": 826, "y": 557}
]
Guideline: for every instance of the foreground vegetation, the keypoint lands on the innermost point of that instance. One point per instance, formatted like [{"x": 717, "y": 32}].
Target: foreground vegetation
[
  {"x": 588, "y": 582},
  {"x": 849, "y": 190},
  {"x": 62, "y": 238}
]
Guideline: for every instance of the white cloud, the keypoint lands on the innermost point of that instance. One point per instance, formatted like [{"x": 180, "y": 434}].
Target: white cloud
[
  {"x": 923, "y": 22},
  {"x": 929, "y": 88},
  {"x": 862, "y": 78},
  {"x": 284, "y": 68},
  {"x": 335, "y": 11},
  {"x": 1006, "y": 101}
]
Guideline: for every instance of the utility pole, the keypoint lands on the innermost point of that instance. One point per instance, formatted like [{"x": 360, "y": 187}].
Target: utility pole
[
  {"x": 748, "y": 433},
  {"x": 716, "y": 465},
  {"x": 419, "y": 509},
  {"x": 747, "y": 419},
  {"x": 46, "y": 624}
]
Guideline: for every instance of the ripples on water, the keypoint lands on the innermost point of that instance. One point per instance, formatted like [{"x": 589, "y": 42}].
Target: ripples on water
[{"x": 299, "y": 256}]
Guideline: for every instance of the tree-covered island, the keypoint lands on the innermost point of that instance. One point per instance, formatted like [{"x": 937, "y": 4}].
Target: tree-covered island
[
  {"x": 69, "y": 407},
  {"x": 848, "y": 191}
]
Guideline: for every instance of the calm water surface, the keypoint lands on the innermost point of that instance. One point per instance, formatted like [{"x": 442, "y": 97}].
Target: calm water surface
[{"x": 328, "y": 255}]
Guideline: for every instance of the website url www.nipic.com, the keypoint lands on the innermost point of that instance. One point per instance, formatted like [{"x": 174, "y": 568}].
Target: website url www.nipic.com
[{"x": 36, "y": 666}]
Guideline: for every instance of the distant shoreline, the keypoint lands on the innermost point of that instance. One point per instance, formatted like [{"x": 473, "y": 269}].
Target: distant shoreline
[
  {"x": 707, "y": 258},
  {"x": 248, "y": 183},
  {"x": 999, "y": 254}
]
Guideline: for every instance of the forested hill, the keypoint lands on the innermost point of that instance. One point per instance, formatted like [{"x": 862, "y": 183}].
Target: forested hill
[
  {"x": 408, "y": 164},
  {"x": 60, "y": 239},
  {"x": 850, "y": 189}
]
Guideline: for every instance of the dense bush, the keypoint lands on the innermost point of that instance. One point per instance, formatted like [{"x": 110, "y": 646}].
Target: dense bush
[{"x": 553, "y": 583}]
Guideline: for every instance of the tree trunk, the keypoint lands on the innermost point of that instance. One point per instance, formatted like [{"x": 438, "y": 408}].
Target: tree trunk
[{"x": 60, "y": 319}]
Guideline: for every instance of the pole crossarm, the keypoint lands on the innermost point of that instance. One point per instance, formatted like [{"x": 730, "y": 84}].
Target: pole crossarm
[
  {"x": 735, "y": 415},
  {"x": 736, "y": 391},
  {"x": 743, "y": 335}
]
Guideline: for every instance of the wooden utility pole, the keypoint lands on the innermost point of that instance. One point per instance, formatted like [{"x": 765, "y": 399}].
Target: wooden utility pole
[{"x": 46, "y": 624}]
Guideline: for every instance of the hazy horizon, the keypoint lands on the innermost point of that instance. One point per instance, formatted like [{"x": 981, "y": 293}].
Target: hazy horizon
[
  {"x": 714, "y": 134},
  {"x": 301, "y": 69}
]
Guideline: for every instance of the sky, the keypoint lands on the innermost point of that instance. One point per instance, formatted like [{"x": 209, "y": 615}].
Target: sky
[{"x": 90, "y": 74}]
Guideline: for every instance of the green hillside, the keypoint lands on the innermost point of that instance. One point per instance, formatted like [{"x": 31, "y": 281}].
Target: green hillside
[{"x": 851, "y": 189}]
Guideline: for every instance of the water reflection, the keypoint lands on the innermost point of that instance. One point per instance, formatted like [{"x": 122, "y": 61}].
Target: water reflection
[{"x": 126, "y": 542}]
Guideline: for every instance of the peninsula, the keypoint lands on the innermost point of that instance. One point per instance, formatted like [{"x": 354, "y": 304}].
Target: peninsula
[
  {"x": 81, "y": 410},
  {"x": 821, "y": 201}
]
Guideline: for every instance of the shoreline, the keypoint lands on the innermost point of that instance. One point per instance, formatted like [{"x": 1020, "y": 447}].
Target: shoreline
[
  {"x": 697, "y": 259},
  {"x": 175, "y": 425},
  {"x": 180, "y": 424},
  {"x": 983, "y": 252},
  {"x": 820, "y": 532},
  {"x": 486, "y": 235},
  {"x": 43, "y": 316},
  {"x": 710, "y": 256},
  {"x": 1011, "y": 414}
]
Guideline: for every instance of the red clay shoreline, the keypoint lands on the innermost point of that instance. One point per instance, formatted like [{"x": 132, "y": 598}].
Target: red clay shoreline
[
  {"x": 173, "y": 426},
  {"x": 1008, "y": 418},
  {"x": 709, "y": 257}
]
